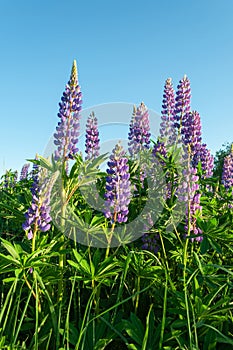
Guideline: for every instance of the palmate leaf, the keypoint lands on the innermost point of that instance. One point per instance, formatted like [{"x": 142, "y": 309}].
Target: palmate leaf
[
  {"x": 12, "y": 249},
  {"x": 87, "y": 168},
  {"x": 97, "y": 161},
  {"x": 82, "y": 262},
  {"x": 45, "y": 163},
  {"x": 6, "y": 262},
  {"x": 13, "y": 206},
  {"x": 134, "y": 328}
]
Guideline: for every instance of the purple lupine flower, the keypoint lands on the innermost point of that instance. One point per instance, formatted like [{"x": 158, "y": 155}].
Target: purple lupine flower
[
  {"x": 67, "y": 131},
  {"x": 92, "y": 137},
  {"x": 139, "y": 135},
  {"x": 159, "y": 149},
  {"x": 118, "y": 186},
  {"x": 194, "y": 207},
  {"x": 227, "y": 173},
  {"x": 191, "y": 130},
  {"x": 187, "y": 193},
  {"x": 24, "y": 172},
  {"x": 167, "y": 130},
  {"x": 7, "y": 180},
  {"x": 38, "y": 215},
  {"x": 10, "y": 179},
  {"x": 191, "y": 135},
  {"x": 182, "y": 106},
  {"x": 131, "y": 124},
  {"x": 207, "y": 161},
  {"x": 149, "y": 239}
]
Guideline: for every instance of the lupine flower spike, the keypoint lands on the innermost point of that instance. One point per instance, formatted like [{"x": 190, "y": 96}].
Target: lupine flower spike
[
  {"x": 191, "y": 135},
  {"x": 67, "y": 131},
  {"x": 92, "y": 137},
  {"x": 182, "y": 106},
  {"x": 118, "y": 186},
  {"x": 191, "y": 131},
  {"x": 207, "y": 161},
  {"x": 38, "y": 215},
  {"x": 187, "y": 192},
  {"x": 24, "y": 172},
  {"x": 167, "y": 130},
  {"x": 227, "y": 173},
  {"x": 139, "y": 134}
]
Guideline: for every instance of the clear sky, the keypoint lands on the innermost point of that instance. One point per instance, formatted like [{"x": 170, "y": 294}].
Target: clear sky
[{"x": 125, "y": 50}]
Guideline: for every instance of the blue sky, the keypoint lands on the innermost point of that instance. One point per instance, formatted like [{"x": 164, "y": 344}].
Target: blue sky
[{"x": 125, "y": 50}]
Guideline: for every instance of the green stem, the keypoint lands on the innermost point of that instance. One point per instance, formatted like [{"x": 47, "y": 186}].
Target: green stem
[
  {"x": 34, "y": 237},
  {"x": 110, "y": 236},
  {"x": 62, "y": 259},
  {"x": 186, "y": 260},
  {"x": 137, "y": 296},
  {"x": 164, "y": 312}
]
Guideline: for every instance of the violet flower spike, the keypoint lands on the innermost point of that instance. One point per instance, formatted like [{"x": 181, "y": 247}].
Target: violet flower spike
[
  {"x": 187, "y": 192},
  {"x": 182, "y": 105},
  {"x": 191, "y": 130},
  {"x": 38, "y": 215},
  {"x": 10, "y": 179},
  {"x": 118, "y": 186},
  {"x": 207, "y": 161},
  {"x": 227, "y": 173},
  {"x": 192, "y": 137},
  {"x": 92, "y": 137},
  {"x": 139, "y": 135},
  {"x": 167, "y": 129},
  {"x": 24, "y": 172},
  {"x": 67, "y": 131}
]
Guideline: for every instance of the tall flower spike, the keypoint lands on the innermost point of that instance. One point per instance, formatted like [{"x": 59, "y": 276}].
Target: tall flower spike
[
  {"x": 131, "y": 124},
  {"x": 67, "y": 131},
  {"x": 92, "y": 137},
  {"x": 191, "y": 130},
  {"x": 38, "y": 215},
  {"x": 10, "y": 179},
  {"x": 192, "y": 136},
  {"x": 182, "y": 105},
  {"x": 227, "y": 173},
  {"x": 24, "y": 172},
  {"x": 187, "y": 193},
  {"x": 207, "y": 161},
  {"x": 118, "y": 186},
  {"x": 139, "y": 134},
  {"x": 167, "y": 130}
]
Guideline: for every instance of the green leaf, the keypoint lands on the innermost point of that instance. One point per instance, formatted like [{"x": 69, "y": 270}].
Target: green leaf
[
  {"x": 215, "y": 246},
  {"x": 9, "y": 279},
  {"x": 82, "y": 261},
  {"x": 45, "y": 163},
  {"x": 11, "y": 249},
  {"x": 101, "y": 344},
  {"x": 134, "y": 328},
  {"x": 8, "y": 259},
  {"x": 204, "y": 245},
  {"x": 145, "y": 338}
]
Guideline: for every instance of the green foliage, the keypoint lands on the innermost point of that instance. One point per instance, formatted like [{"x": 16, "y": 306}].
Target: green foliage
[
  {"x": 219, "y": 159},
  {"x": 64, "y": 295}
]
